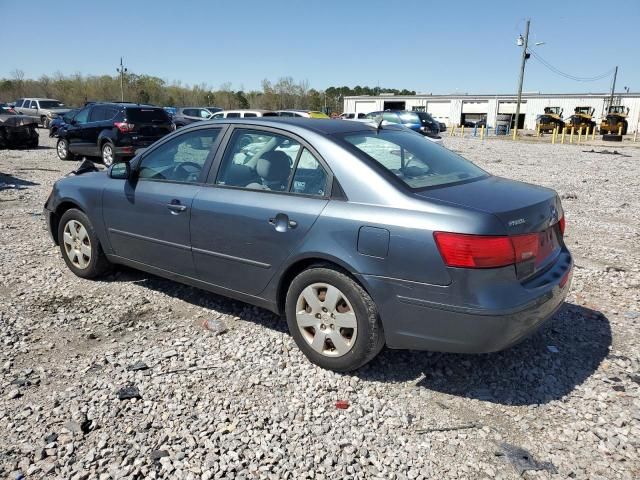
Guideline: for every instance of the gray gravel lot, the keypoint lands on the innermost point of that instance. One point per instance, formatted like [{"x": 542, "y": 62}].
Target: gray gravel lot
[{"x": 247, "y": 404}]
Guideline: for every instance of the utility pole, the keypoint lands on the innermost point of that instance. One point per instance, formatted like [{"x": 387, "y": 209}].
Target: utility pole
[
  {"x": 613, "y": 88},
  {"x": 122, "y": 70},
  {"x": 521, "y": 81}
]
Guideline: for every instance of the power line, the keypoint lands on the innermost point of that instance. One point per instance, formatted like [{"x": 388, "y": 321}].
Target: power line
[{"x": 557, "y": 71}]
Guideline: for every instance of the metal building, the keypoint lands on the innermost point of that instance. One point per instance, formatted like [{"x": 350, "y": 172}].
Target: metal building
[{"x": 456, "y": 109}]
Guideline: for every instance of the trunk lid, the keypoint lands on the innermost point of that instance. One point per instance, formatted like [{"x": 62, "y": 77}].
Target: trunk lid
[{"x": 521, "y": 207}]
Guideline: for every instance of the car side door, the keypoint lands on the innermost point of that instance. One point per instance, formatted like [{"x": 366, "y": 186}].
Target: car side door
[
  {"x": 74, "y": 132},
  {"x": 254, "y": 212},
  {"x": 92, "y": 129},
  {"x": 147, "y": 216}
]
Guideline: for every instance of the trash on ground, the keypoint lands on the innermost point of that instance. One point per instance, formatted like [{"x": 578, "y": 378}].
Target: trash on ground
[
  {"x": 607, "y": 152},
  {"x": 463, "y": 426},
  {"x": 522, "y": 460},
  {"x": 139, "y": 365},
  {"x": 342, "y": 404},
  {"x": 129, "y": 392},
  {"x": 215, "y": 325},
  {"x": 552, "y": 348}
]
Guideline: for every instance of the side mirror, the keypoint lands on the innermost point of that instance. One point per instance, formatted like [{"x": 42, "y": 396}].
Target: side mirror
[{"x": 120, "y": 171}]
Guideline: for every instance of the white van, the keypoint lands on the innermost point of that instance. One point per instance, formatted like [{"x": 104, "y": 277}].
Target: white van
[{"x": 242, "y": 114}]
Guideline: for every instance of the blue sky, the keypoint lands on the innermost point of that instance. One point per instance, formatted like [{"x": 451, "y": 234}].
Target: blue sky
[{"x": 438, "y": 47}]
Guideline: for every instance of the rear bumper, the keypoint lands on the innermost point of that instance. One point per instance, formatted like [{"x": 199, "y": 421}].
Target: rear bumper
[{"x": 413, "y": 320}]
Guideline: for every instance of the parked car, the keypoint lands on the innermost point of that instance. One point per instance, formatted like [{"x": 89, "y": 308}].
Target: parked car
[
  {"x": 112, "y": 131},
  {"x": 186, "y": 115},
  {"x": 359, "y": 235},
  {"x": 242, "y": 114},
  {"x": 59, "y": 121},
  {"x": 46, "y": 109},
  {"x": 351, "y": 115},
  {"x": 17, "y": 131},
  {"x": 420, "y": 122},
  {"x": 482, "y": 122},
  {"x": 301, "y": 113},
  {"x": 6, "y": 107}
]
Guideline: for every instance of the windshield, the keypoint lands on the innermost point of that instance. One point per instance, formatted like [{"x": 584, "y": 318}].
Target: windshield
[
  {"x": 425, "y": 117},
  {"x": 51, "y": 104},
  {"x": 415, "y": 160},
  {"x": 409, "y": 117}
]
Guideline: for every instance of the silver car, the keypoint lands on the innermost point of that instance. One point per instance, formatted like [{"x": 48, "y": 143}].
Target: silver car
[
  {"x": 360, "y": 236},
  {"x": 45, "y": 109}
]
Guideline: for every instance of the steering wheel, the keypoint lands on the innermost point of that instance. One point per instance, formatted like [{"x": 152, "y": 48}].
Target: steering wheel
[{"x": 186, "y": 171}]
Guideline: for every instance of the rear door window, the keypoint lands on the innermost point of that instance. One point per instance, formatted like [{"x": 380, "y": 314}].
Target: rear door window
[
  {"x": 147, "y": 115},
  {"x": 258, "y": 160},
  {"x": 250, "y": 114},
  {"x": 97, "y": 114},
  {"x": 233, "y": 115}
]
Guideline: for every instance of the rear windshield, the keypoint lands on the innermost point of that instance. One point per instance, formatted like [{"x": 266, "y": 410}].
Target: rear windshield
[
  {"x": 418, "y": 162},
  {"x": 147, "y": 115}
]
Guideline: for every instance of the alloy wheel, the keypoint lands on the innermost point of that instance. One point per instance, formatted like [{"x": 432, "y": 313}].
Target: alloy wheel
[
  {"x": 62, "y": 149},
  {"x": 107, "y": 154},
  {"x": 326, "y": 319},
  {"x": 77, "y": 244}
]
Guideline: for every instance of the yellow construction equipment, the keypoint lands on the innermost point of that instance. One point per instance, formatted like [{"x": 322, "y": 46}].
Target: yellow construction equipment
[
  {"x": 582, "y": 118},
  {"x": 550, "y": 119},
  {"x": 615, "y": 120}
]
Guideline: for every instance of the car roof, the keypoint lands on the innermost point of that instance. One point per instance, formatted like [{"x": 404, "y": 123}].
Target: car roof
[
  {"x": 240, "y": 110},
  {"x": 317, "y": 125},
  {"x": 37, "y": 98}
]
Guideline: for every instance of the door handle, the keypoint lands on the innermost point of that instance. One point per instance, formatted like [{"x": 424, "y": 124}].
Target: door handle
[
  {"x": 175, "y": 207},
  {"x": 282, "y": 222}
]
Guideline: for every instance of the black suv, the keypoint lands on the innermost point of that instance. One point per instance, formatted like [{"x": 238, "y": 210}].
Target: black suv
[
  {"x": 186, "y": 115},
  {"x": 113, "y": 131}
]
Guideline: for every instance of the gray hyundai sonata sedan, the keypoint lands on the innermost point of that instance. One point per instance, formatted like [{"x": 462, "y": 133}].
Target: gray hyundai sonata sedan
[{"x": 359, "y": 235}]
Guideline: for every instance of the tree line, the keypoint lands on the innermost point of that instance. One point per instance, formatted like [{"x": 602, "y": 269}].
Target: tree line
[{"x": 76, "y": 89}]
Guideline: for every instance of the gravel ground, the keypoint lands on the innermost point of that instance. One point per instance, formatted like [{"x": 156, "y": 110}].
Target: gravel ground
[{"x": 247, "y": 404}]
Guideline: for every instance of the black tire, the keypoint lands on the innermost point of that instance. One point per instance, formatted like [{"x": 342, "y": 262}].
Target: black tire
[
  {"x": 62, "y": 149},
  {"x": 108, "y": 154},
  {"x": 625, "y": 127},
  {"x": 97, "y": 264},
  {"x": 369, "y": 339}
]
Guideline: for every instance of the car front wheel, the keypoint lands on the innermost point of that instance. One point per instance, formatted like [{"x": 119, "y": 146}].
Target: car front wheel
[
  {"x": 333, "y": 320},
  {"x": 63, "y": 149},
  {"x": 80, "y": 246}
]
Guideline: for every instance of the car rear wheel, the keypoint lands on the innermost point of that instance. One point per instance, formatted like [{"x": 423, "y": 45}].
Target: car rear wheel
[
  {"x": 333, "y": 320},
  {"x": 108, "y": 155},
  {"x": 80, "y": 246},
  {"x": 62, "y": 149}
]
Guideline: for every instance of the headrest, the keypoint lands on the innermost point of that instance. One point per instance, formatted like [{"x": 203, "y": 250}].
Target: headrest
[{"x": 273, "y": 166}]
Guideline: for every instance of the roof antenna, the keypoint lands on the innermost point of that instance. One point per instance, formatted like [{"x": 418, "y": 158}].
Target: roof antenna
[{"x": 379, "y": 123}]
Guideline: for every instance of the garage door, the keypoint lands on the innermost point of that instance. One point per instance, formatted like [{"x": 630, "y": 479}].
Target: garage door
[
  {"x": 365, "y": 107},
  {"x": 510, "y": 107},
  {"x": 440, "y": 111},
  {"x": 475, "y": 107}
]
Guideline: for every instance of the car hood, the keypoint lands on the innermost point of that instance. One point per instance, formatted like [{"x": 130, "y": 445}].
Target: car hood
[
  {"x": 17, "y": 120},
  {"x": 521, "y": 207}
]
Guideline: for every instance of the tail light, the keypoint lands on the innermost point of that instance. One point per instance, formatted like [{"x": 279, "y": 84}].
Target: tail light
[
  {"x": 124, "y": 127},
  {"x": 562, "y": 224},
  {"x": 480, "y": 251}
]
